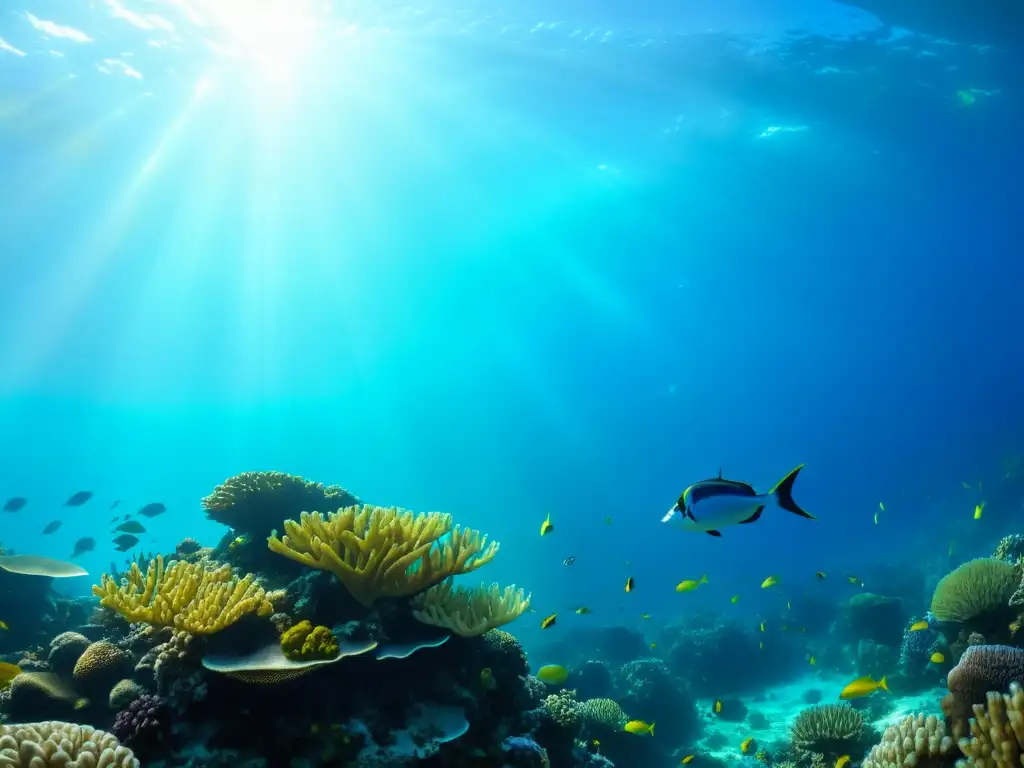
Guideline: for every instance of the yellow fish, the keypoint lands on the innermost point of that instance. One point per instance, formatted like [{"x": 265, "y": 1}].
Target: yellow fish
[
  {"x": 789, "y": 605},
  {"x": 487, "y": 679},
  {"x": 689, "y": 585},
  {"x": 3, "y": 625},
  {"x": 583, "y": 610},
  {"x": 553, "y": 674},
  {"x": 762, "y": 626},
  {"x": 842, "y": 761},
  {"x": 917, "y": 626},
  {"x": 645, "y": 615},
  {"x": 595, "y": 743},
  {"x": 863, "y": 686},
  {"x": 978, "y": 509},
  {"x": 717, "y": 707},
  {"x": 629, "y": 584},
  {"x": 876, "y": 518},
  {"x": 812, "y": 661},
  {"x": 653, "y": 646},
  {"x": 7, "y": 673},
  {"x": 549, "y": 621},
  {"x": 686, "y": 760},
  {"x": 761, "y": 645},
  {"x": 639, "y": 727},
  {"x": 855, "y": 580},
  {"x": 881, "y": 506},
  {"x": 734, "y": 599},
  {"x": 771, "y": 581},
  {"x": 1014, "y": 627},
  {"x": 547, "y": 526},
  {"x": 747, "y": 743},
  {"x": 936, "y": 658}
]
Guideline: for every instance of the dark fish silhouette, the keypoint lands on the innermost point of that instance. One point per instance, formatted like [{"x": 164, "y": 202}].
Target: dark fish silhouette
[
  {"x": 132, "y": 526},
  {"x": 51, "y": 527},
  {"x": 78, "y": 499},
  {"x": 114, "y": 520},
  {"x": 125, "y": 542},
  {"x": 127, "y": 516},
  {"x": 152, "y": 510},
  {"x": 88, "y": 544},
  {"x": 15, "y": 504},
  {"x": 114, "y": 505}
]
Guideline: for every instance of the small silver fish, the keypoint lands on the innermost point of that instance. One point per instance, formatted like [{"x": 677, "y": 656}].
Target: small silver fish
[
  {"x": 569, "y": 561},
  {"x": 711, "y": 505}
]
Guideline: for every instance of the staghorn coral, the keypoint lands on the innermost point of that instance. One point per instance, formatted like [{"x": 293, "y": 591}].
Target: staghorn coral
[
  {"x": 915, "y": 739},
  {"x": 259, "y": 502},
  {"x": 63, "y": 745},
  {"x": 100, "y": 665},
  {"x": 469, "y": 612},
  {"x": 184, "y": 595},
  {"x": 978, "y": 587},
  {"x": 982, "y": 668},
  {"x": 831, "y": 729},
  {"x": 306, "y": 642},
  {"x": 997, "y": 731},
  {"x": 602, "y": 715},
  {"x": 377, "y": 552}
]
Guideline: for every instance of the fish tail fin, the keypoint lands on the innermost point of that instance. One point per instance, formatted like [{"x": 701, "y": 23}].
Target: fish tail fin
[
  {"x": 882, "y": 684},
  {"x": 704, "y": 579},
  {"x": 783, "y": 494},
  {"x": 651, "y": 729}
]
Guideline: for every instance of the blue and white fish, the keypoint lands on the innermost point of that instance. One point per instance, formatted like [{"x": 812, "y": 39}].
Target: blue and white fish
[{"x": 711, "y": 505}]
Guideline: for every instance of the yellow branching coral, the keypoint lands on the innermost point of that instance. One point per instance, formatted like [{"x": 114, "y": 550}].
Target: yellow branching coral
[
  {"x": 469, "y": 612},
  {"x": 185, "y": 596},
  {"x": 379, "y": 552},
  {"x": 306, "y": 642},
  {"x": 997, "y": 731}
]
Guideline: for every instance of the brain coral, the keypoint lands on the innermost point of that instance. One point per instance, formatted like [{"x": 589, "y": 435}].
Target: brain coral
[
  {"x": 828, "y": 729},
  {"x": 39, "y": 745},
  {"x": 982, "y": 668},
  {"x": 65, "y": 650},
  {"x": 976, "y": 588},
  {"x": 101, "y": 665},
  {"x": 603, "y": 714},
  {"x": 915, "y": 739}
]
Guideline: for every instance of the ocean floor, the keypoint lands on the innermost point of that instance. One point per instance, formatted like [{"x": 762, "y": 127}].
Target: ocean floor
[{"x": 770, "y": 716}]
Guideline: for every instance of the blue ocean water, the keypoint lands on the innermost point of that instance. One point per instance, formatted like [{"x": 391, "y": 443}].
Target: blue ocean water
[{"x": 506, "y": 260}]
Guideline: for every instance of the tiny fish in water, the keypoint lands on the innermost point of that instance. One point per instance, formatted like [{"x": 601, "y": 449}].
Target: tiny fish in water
[
  {"x": 14, "y": 504},
  {"x": 607, "y": 520},
  {"x": 51, "y": 527},
  {"x": 747, "y": 744},
  {"x": 761, "y": 645},
  {"x": 87, "y": 544},
  {"x": 645, "y": 615},
  {"x": 686, "y": 760},
  {"x": 487, "y": 679},
  {"x": 583, "y": 610},
  {"x": 881, "y": 506},
  {"x": 78, "y": 499},
  {"x": 639, "y": 727},
  {"x": 966, "y": 485},
  {"x": 549, "y": 621},
  {"x": 553, "y": 674},
  {"x": 855, "y": 580},
  {"x": 3, "y": 626},
  {"x": 917, "y": 626},
  {"x": 547, "y": 526},
  {"x": 936, "y": 658},
  {"x": 653, "y": 646},
  {"x": 152, "y": 510},
  {"x": 711, "y": 505},
  {"x": 717, "y": 706},
  {"x": 629, "y": 584},
  {"x": 125, "y": 542},
  {"x": 789, "y": 605},
  {"x": 690, "y": 584},
  {"x": 569, "y": 561},
  {"x": 812, "y": 661},
  {"x": 771, "y": 581},
  {"x": 131, "y": 526},
  {"x": 820, "y": 574},
  {"x": 863, "y": 686},
  {"x": 114, "y": 520},
  {"x": 843, "y": 760},
  {"x": 114, "y": 505},
  {"x": 127, "y": 516},
  {"x": 978, "y": 509},
  {"x": 762, "y": 626},
  {"x": 734, "y": 599},
  {"x": 876, "y": 518}
]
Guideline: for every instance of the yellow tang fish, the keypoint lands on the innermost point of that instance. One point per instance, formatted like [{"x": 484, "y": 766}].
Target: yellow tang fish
[
  {"x": 7, "y": 673},
  {"x": 917, "y": 626},
  {"x": 3, "y": 625},
  {"x": 653, "y": 646},
  {"x": 936, "y": 658},
  {"x": 812, "y": 661},
  {"x": 553, "y": 674},
  {"x": 689, "y": 585},
  {"x": 978, "y": 509},
  {"x": 686, "y": 760},
  {"x": 629, "y": 584},
  {"x": 842, "y": 761},
  {"x": 547, "y": 526},
  {"x": 863, "y": 686},
  {"x": 734, "y": 599},
  {"x": 487, "y": 679},
  {"x": 717, "y": 706},
  {"x": 583, "y": 610},
  {"x": 645, "y": 615},
  {"x": 549, "y": 621},
  {"x": 639, "y": 727},
  {"x": 747, "y": 744},
  {"x": 762, "y": 626},
  {"x": 771, "y": 581}
]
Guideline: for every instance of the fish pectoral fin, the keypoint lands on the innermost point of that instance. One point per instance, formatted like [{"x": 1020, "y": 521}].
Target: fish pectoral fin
[
  {"x": 753, "y": 517},
  {"x": 713, "y": 532}
]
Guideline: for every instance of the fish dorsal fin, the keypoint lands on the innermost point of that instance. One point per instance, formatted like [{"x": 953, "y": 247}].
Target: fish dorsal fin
[{"x": 719, "y": 473}]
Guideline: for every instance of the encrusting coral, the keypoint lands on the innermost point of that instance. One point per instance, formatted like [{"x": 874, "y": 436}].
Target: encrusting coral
[
  {"x": 975, "y": 588},
  {"x": 383, "y": 552},
  {"x": 469, "y": 612},
  {"x": 185, "y": 596},
  {"x": 831, "y": 729},
  {"x": 258, "y": 502},
  {"x": 915, "y": 740},
  {"x": 38, "y": 745},
  {"x": 304, "y": 642},
  {"x": 997, "y": 731}
]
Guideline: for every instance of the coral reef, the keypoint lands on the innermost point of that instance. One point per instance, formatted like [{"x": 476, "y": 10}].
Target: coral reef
[
  {"x": 469, "y": 612},
  {"x": 64, "y": 745},
  {"x": 981, "y": 669},
  {"x": 828, "y": 729},
  {"x": 304, "y": 642},
  {"x": 974, "y": 590},
  {"x": 916, "y": 741},
  {"x": 997, "y": 731}
]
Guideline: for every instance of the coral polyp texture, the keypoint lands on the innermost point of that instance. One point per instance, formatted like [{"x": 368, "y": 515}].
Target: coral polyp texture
[
  {"x": 304, "y": 642},
  {"x": 383, "y": 552},
  {"x": 997, "y": 731},
  {"x": 63, "y": 745},
  {"x": 259, "y": 502},
  {"x": 977, "y": 587},
  {"x": 918, "y": 740},
  {"x": 185, "y": 596},
  {"x": 469, "y": 612},
  {"x": 828, "y": 729}
]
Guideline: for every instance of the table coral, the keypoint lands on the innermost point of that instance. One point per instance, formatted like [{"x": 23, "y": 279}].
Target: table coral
[
  {"x": 469, "y": 612},
  {"x": 186, "y": 596},
  {"x": 383, "y": 552}
]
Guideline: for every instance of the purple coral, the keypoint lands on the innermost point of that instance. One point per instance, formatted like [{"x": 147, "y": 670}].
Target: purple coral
[
  {"x": 523, "y": 752},
  {"x": 985, "y": 668},
  {"x": 140, "y": 723}
]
